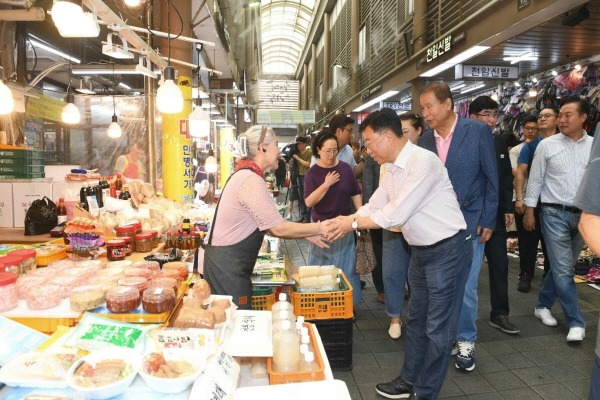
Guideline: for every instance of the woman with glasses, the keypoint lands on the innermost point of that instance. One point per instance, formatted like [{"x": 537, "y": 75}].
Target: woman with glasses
[
  {"x": 244, "y": 214},
  {"x": 331, "y": 189}
]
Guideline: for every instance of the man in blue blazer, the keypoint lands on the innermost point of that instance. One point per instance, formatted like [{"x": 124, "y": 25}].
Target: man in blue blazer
[{"x": 466, "y": 147}]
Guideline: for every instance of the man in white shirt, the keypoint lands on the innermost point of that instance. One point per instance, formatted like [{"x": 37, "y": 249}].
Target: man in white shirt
[
  {"x": 555, "y": 175},
  {"x": 415, "y": 193}
]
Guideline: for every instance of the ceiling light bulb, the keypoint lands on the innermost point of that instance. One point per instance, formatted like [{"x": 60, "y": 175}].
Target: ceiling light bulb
[
  {"x": 114, "y": 129},
  {"x": 554, "y": 73},
  {"x": 71, "y": 114},
  {"x": 199, "y": 123},
  {"x": 533, "y": 93},
  {"x": 132, "y": 3},
  {"x": 578, "y": 67},
  {"x": 211, "y": 165},
  {"x": 6, "y": 99},
  {"x": 169, "y": 99},
  {"x": 65, "y": 10}
]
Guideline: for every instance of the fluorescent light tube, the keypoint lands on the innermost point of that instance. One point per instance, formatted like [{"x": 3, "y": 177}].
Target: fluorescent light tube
[
  {"x": 465, "y": 55},
  {"x": 35, "y": 42},
  {"x": 376, "y": 100},
  {"x": 471, "y": 88}
]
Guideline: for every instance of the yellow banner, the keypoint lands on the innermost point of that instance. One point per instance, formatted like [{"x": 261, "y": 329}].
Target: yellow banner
[
  {"x": 177, "y": 167},
  {"x": 45, "y": 108}
]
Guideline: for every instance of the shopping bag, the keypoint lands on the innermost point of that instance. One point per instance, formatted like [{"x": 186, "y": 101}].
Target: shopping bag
[{"x": 365, "y": 256}]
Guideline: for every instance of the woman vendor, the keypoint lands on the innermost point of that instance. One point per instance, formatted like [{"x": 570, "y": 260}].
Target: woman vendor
[{"x": 245, "y": 212}]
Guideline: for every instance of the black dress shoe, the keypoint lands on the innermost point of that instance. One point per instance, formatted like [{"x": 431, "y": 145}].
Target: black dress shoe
[
  {"x": 363, "y": 284},
  {"x": 396, "y": 389},
  {"x": 524, "y": 284}
]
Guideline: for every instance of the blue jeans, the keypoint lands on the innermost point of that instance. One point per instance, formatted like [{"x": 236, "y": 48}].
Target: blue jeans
[
  {"x": 342, "y": 254},
  {"x": 564, "y": 243},
  {"x": 467, "y": 326},
  {"x": 396, "y": 258},
  {"x": 437, "y": 276}
]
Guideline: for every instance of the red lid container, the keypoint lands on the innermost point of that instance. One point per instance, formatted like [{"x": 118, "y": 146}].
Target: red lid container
[
  {"x": 10, "y": 261},
  {"x": 143, "y": 236},
  {"x": 24, "y": 253},
  {"x": 124, "y": 230},
  {"x": 7, "y": 278}
]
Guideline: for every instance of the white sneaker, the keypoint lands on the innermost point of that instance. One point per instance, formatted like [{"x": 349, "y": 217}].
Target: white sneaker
[
  {"x": 576, "y": 334},
  {"x": 395, "y": 330},
  {"x": 546, "y": 317}
]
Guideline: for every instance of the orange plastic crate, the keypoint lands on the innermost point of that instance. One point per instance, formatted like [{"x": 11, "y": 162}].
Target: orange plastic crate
[
  {"x": 324, "y": 305},
  {"x": 297, "y": 376},
  {"x": 263, "y": 302}
]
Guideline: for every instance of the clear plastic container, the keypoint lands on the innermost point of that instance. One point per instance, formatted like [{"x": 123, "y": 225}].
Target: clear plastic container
[
  {"x": 164, "y": 282},
  {"x": 122, "y": 299},
  {"x": 168, "y": 273},
  {"x": 11, "y": 264},
  {"x": 28, "y": 259},
  {"x": 43, "y": 297},
  {"x": 151, "y": 265},
  {"x": 65, "y": 283},
  {"x": 179, "y": 266},
  {"x": 138, "y": 282},
  {"x": 134, "y": 271},
  {"x": 9, "y": 294},
  {"x": 25, "y": 282},
  {"x": 85, "y": 298},
  {"x": 156, "y": 300}
]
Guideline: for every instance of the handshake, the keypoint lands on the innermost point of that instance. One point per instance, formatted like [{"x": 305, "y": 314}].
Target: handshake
[{"x": 332, "y": 230}]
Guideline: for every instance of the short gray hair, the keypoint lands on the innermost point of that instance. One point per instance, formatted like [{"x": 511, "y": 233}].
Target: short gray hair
[{"x": 253, "y": 137}]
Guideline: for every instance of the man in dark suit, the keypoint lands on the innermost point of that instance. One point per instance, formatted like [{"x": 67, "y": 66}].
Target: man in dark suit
[
  {"x": 466, "y": 147},
  {"x": 485, "y": 109}
]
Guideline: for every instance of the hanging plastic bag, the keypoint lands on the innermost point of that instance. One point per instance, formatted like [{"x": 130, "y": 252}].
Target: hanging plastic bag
[{"x": 41, "y": 217}]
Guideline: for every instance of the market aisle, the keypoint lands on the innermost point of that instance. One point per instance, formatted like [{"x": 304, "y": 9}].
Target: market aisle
[{"x": 536, "y": 364}]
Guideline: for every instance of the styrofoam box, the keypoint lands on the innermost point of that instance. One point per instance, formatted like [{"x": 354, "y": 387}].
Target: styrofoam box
[
  {"x": 24, "y": 193},
  {"x": 6, "y": 205}
]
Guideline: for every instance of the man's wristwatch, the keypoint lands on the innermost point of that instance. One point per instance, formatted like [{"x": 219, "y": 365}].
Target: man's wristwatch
[{"x": 355, "y": 224}]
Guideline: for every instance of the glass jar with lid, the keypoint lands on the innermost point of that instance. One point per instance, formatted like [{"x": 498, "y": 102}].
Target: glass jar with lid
[
  {"x": 11, "y": 264},
  {"x": 125, "y": 230},
  {"x": 143, "y": 242}
]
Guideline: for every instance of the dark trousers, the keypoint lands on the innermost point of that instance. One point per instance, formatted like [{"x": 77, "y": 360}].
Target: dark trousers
[
  {"x": 528, "y": 245},
  {"x": 302, "y": 209},
  {"x": 495, "y": 252},
  {"x": 377, "y": 240}
]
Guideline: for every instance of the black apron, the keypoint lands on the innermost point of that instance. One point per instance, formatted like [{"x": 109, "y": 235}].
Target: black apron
[{"x": 228, "y": 269}]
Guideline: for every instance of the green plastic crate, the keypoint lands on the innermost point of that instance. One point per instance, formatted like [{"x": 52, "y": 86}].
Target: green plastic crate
[
  {"x": 21, "y": 161},
  {"x": 21, "y": 169}
]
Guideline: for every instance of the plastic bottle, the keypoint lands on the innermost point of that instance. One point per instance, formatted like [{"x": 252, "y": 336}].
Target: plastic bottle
[
  {"x": 305, "y": 340},
  {"x": 299, "y": 324},
  {"x": 286, "y": 349},
  {"x": 283, "y": 315},
  {"x": 308, "y": 363},
  {"x": 61, "y": 211},
  {"x": 282, "y": 304}
]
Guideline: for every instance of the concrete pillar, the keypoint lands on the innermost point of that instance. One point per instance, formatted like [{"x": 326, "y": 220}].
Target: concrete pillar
[
  {"x": 355, "y": 24},
  {"x": 326, "y": 57}
]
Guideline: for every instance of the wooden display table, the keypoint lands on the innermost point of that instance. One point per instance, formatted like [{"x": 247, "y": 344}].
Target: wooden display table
[{"x": 17, "y": 236}]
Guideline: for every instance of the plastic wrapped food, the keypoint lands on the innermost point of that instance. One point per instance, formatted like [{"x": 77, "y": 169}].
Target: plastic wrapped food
[
  {"x": 219, "y": 313},
  {"x": 194, "y": 318},
  {"x": 201, "y": 289},
  {"x": 85, "y": 298},
  {"x": 158, "y": 300},
  {"x": 9, "y": 294},
  {"x": 122, "y": 299},
  {"x": 43, "y": 297}
]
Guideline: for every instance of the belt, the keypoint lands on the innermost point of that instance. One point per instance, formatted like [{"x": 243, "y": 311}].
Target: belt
[
  {"x": 562, "y": 207},
  {"x": 429, "y": 246}
]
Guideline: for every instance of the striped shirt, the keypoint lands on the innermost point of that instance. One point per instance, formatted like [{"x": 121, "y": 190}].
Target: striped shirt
[{"x": 557, "y": 169}]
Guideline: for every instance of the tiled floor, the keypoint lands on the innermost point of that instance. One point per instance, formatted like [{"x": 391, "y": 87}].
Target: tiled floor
[{"x": 535, "y": 364}]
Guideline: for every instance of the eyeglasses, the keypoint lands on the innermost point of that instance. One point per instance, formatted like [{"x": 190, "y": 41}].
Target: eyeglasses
[
  {"x": 530, "y": 128},
  {"x": 348, "y": 129},
  {"x": 489, "y": 116},
  {"x": 369, "y": 146},
  {"x": 330, "y": 152},
  {"x": 546, "y": 116}
]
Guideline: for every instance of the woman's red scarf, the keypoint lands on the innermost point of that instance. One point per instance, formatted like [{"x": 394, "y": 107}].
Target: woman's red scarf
[{"x": 249, "y": 164}]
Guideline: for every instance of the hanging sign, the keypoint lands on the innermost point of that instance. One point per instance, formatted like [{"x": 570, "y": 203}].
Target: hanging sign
[
  {"x": 486, "y": 71},
  {"x": 521, "y": 4},
  {"x": 439, "y": 48},
  {"x": 268, "y": 117},
  {"x": 396, "y": 105}
]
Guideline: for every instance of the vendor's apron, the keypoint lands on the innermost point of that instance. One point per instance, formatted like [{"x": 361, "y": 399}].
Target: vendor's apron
[{"x": 228, "y": 269}]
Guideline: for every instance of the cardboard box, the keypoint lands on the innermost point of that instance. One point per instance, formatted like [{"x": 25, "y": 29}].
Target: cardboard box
[
  {"x": 24, "y": 193},
  {"x": 6, "y": 205}
]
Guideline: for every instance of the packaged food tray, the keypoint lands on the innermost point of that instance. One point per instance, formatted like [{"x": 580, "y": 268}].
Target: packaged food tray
[{"x": 324, "y": 305}]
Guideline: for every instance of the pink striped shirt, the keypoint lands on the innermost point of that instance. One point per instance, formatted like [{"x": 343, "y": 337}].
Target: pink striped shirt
[{"x": 443, "y": 145}]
